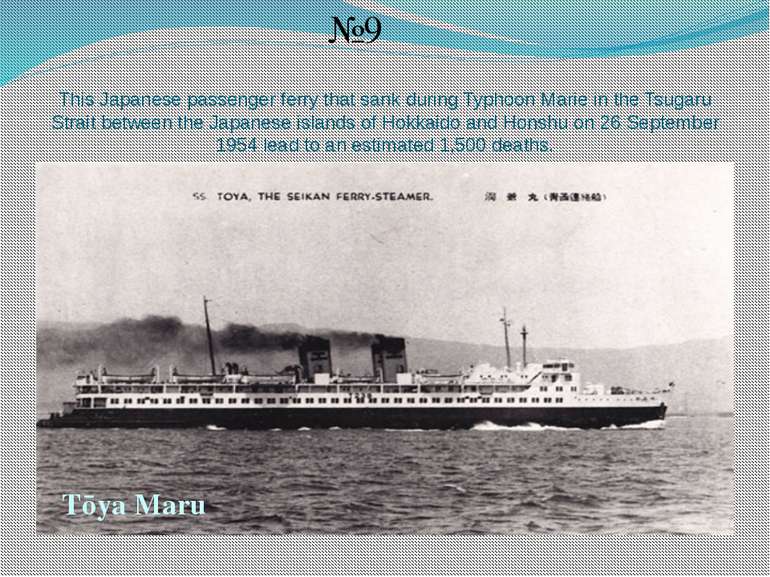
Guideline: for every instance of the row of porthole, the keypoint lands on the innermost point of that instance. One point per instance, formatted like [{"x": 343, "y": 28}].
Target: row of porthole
[{"x": 333, "y": 400}]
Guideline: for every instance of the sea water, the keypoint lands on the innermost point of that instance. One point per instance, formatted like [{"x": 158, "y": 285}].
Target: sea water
[{"x": 675, "y": 477}]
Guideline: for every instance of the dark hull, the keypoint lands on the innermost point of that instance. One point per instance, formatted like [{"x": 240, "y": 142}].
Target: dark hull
[{"x": 389, "y": 418}]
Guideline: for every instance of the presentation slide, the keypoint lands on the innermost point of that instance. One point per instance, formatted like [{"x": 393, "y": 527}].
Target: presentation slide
[{"x": 385, "y": 287}]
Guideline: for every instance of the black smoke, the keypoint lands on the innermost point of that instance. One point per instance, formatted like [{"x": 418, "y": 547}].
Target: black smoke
[
  {"x": 139, "y": 343},
  {"x": 248, "y": 338},
  {"x": 125, "y": 341}
]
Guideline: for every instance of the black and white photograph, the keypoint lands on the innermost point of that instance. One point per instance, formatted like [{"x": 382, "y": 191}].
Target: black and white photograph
[{"x": 385, "y": 348}]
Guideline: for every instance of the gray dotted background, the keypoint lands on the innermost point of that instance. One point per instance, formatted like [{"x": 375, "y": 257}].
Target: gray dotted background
[{"x": 181, "y": 61}]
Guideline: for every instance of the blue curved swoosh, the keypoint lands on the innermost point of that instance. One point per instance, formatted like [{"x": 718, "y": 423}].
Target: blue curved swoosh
[{"x": 33, "y": 33}]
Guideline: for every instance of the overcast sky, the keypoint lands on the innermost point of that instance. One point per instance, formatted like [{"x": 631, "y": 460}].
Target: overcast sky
[{"x": 650, "y": 265}]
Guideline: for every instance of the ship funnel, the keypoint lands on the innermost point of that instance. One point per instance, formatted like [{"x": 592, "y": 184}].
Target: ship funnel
[
  {"x": 388, "y": 357},
  {"x": 315, "y": 356}
]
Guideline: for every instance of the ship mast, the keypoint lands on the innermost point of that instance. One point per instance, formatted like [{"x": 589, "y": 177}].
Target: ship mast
[
  {"x": 506, "y": 324},
  {"x": 524, "y": 334},
  {"x": 208, "y": 335}
]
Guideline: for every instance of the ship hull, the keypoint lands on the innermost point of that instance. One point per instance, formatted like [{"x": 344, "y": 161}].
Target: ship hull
[{"x": 358, "y": 418}]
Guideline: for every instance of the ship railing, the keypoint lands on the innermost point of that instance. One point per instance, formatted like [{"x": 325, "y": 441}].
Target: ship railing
[
  {"x": 617, "y": 390},
  {"x": 206, "y": 387},
  {"x": 396, "y": 389},
  {"x": 442, "y": 382},
  {"x": 85, "y": 389},
  {"x": 276, "y": 387},
  {"x": 354, "y": 388},
  {"x": 313, "y": 388},
  {"x": 357, "y": 389},
  {"x": 441, "y": 388},
  {"x": 496, "y": 388},
  {"x": 344, "y": 380},
  {"x": 435, "y": 378},
  {"x": 131, "y": 388},
  {"x": 267, "y": 379}
]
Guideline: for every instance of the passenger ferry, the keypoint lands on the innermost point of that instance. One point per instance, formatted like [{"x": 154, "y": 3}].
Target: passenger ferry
[{"x": 311, "y": 395}]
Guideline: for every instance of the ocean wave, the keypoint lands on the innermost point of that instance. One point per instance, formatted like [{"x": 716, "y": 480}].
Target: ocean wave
[
  {"x": 215, "y": 428},
  {"x": 304, "y": 429},
  {"x": 490, "y": 426},
  {"x": 410, "y": 430},
  {"x": 648, "y": 425}
]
